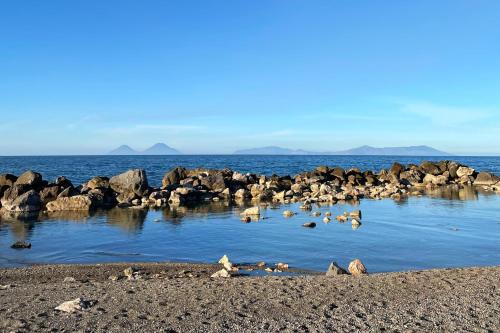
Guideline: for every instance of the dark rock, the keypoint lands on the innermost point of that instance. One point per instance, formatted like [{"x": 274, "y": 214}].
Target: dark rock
[
  {"x": 21, "y": 245},
  {"x": 24, "y": 203},
  {"x": 174, "y": 177},
  {"x": 334, "y": 269},
  {"x": 430, "y": 168},
  {"x": 50, "y": 193},
  {"x": 214, "y": 182},
  {"x": 68, "y": 192},
  {"x": 396, "y": 169},
  {"x": 309, "y": 225},
  {"x": 30, "y": 178},
  {"x": 63, "y": 182},
  {"x": 7, "y": 179}
]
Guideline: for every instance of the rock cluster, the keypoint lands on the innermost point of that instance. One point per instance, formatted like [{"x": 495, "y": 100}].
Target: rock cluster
[{"x": 30, "y": 193}]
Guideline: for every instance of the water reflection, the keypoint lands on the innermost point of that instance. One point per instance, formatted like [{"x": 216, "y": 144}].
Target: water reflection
[{"x": 128, "y": 219}]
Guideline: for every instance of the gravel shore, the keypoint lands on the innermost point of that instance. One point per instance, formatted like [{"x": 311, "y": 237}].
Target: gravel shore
[{"x": 183, "y": 298}]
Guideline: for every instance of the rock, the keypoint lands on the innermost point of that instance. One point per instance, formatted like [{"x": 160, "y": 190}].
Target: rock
[
  {"x": 221, "y": 274},
  {"x": 356, "y": 268},
  {"x": 75, "y": 305},
  {"x": 69, "y": 279},
  {"x": 129, "y": 272},
  {"x": 430, "y": 168},
  {"x": 21, "y": 245},
  {"x": 269, "y": 270},
  {"x": 6, "y": 286},
  {"x": 464, "y": 171},
  {"x": 328, "y": 214},
  {"x": 130, "y": 183},
  {"x": 224, "y": 260},
  {"x": 63, "y": 182},
  {"x": 174, "y": 177},
  {"x": 6, "y": 179},
  {"x": 436, "y": 180},
  {"x": 242, "y": 194},
  {"x": 96, "y": 182},
  {"x": 282, "y": 266},
  {"x": 306, "y": 206},
  {"x": 396, "y": 169},
  {"x": 356, "y": 214},
  {"x": 246, "y": 219},
  {"x": 327, "y": 219},
  {"x": 486, "y": 179},
  {"x": 288, "y": 213},
  {"x": 309, "y": 225},
  {"x": 254, "y": 211},
  {"x": 261, "y": 264},
  {"x": 25, "y": 203},
  {"x": 75, "y": 203},
  {"x": 342, "y": 218},
  {"x": 335, "y": 269},
  {"x": 30, "y": 178},
  {"x": 316, "y": 214},
  {"x": 355, "y": 222},
  {"x": 113, "y": 278},
  {"x": 50, "y": 193}
]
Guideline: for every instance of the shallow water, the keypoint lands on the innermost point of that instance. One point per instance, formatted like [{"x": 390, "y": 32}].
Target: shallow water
[
  {"x": 417, "y": 233},
  {"x": 445, "y": 229}
]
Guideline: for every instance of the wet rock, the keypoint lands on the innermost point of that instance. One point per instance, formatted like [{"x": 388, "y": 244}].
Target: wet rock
[
  {"x": 253, "y": 211},
  {"x": 309, "y": 225},
  {"x": 242, "y": 194},
  {"x": 435, "y": 180},
  {"x": 246, "y": 219},
  {"x": 334, "y": 269},
  {"x": 355, "y": 223},
  {"x": 316, "y": 214},
  {"x": 75, "y": 203},
  {"x": 357, "y": 214},
  {"x": 174, "y": 177},
  {"x": 50, "y": 193},
  {"x": 24, "y": 203},
  {"x": 288, "y": 213},
  {"x": 76, "y": 305},
  {"x": 261, "y": 264},
  {"x": 342, "y": 218},
  {"x": 356, "y": 268},
  {"x": 328, "y": 214},
  {"x": 21, "y": 245},
  {"x": 326, "y": 219}
]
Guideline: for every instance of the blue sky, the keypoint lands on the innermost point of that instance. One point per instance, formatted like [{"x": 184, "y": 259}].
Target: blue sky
[{"x": 86, "y": 76}]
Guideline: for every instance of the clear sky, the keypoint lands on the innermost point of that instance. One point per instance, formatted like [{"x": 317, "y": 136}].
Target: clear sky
[{"x": 85, "y": 76}]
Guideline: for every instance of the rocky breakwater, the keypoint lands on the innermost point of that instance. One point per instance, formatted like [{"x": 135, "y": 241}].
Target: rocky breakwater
[{"x": 29, "y": 193}]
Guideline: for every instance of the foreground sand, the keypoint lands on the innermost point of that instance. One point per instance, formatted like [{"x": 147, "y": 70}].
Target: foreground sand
[{"x": 183, "y": 298}]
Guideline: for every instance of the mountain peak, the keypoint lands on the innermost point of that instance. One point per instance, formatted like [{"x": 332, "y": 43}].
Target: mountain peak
[
  {"x": 123, "y": 150},
  {"x": 156, "y": 149}
]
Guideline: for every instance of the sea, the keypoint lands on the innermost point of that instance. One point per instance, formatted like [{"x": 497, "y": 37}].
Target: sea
[{"x": 445, "y": 229}]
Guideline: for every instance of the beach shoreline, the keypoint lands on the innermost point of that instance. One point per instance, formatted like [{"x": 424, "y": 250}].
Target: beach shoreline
[{"x": 181, "y": 297}]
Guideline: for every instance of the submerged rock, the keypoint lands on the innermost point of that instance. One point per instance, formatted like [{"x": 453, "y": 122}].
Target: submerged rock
[
  {"x": 21, "y": 245},
  {"x": 309, "y": 225},
  {"x": 254, "y": 211},
  {"x": 288, "y": 213}
]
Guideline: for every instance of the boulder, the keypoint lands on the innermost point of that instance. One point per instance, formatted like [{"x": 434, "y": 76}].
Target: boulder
[
  {"x": 96, "y": 182},
  {"x": 486, "y": 179},
  {"x": 214, "y": 182},
  {"x": 63, "y": 182},
  {"x": 396, "y": 169},
  {"x": 356, "y": 268},
  {"x": 431, "y": 168},
  {"x": 464, "y": 171},
  {"x": 221, "y": 274},
  {"x": 309, "y": 225},
  {"x": 436, "y": 180},
  {"x": 50, "y": 193},
  {"x": 174, "y": 177},
  {"x": 75, "y": 203},
  {"x": 21, "y": 245},
  {"x": 412, "y": 177},
  {"x": 7, "y": 179},
  {"x": 130, "y": 184},
  {"x": 24, "y": 203},
  {"x": 334, "y": 269},
  {"x": 31, "y": 179}
]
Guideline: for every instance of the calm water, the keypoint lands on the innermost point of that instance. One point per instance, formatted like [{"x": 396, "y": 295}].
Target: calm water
[{"x": 451, "y": 229}]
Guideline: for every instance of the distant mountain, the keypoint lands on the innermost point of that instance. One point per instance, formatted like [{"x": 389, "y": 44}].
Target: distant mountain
[
  {"x": 271, "y": 150},
  {"x": 123, "y": 150},
  {"x": 394, "y": 151},
  {"x": 364, "y": 150},
  {"x": 156, "y": 149},
  {"x": 160, "y": 149}
]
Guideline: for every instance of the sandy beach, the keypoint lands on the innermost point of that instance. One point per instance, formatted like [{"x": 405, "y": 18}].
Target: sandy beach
[{"x": 183, "y": 298}]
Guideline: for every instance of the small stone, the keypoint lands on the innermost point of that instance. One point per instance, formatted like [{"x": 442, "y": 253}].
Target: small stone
[
  {"x": 281, "y": 266},
  {"x": 355, "y": 222},
  {"x": 69, "y": 279},
  {"x": 356, "y": 268},
  {"x": 113, "y": 278},
  {"x": 6, "y": 286},
  {"x": 316, "y": 214},
  {"x": 326, "y": 219},
  {"x": 21, "y": 245},
  {"x": 288, "y": 213},
  {"x": 309, "y": 225},
  {"x": 261, "y": 264},
  {"x": 75, "y": 305},
  {"x": 269, "y": 270},
  {"x": 221, "y": 274},
  {"x": 356, "y": 213},
  {"x": 342, "y": 218},
  {"x": 129, "y": 272},
  {"x": 335, "y": 269}
]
